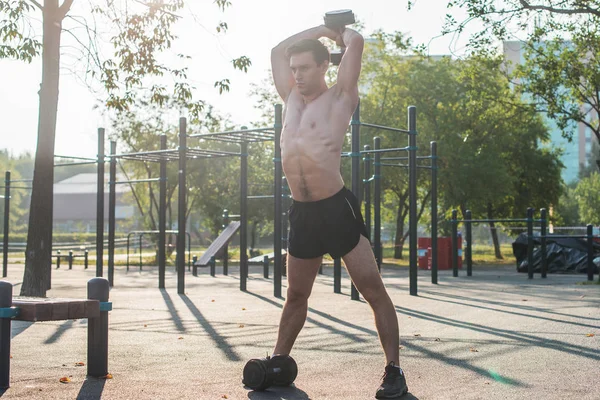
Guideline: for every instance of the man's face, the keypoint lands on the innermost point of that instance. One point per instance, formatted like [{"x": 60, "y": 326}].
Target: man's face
[{"x": 307, "y": 74}]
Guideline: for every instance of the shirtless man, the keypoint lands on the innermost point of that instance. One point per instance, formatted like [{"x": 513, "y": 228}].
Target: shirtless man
[{"x": 325, "y": 217}]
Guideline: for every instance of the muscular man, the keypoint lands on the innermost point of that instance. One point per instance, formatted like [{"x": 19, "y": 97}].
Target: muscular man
[{"x": 325, "y": 217}]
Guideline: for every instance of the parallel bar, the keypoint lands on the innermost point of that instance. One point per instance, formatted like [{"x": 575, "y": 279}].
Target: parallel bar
[
  {"x": 497, "y": 220},
  {"x": 543, "y": 216},
  {"x": 355, "y": 128},
  {"x": 112, "y": 206},
  {"x": 385, "y": 150},
  {"x": 134, "y": 181},
  {"x": 277, "y": 263},
  {"x": 412, "y": 184},
  {"x": 6, "y": 224},
  {"x": 76, "y": 163},
  {"x": 434, "y": 214},
  {"x": 162, "y": 217},
  {"x": 69, "y": 157},
  {"x": 377, "y": 204},
  {"x": 405, "y": 158},
  {"x": 244, "y": 215},
  {"x": 203, "y": 135},
  {"x": 386, "y": 128},
  {"x": 181, "y": 206},
  {"x": 100, "y": 206}
]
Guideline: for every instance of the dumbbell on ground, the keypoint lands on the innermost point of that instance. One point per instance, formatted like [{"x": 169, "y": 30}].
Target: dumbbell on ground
[
  {"x": 261, "y": 373},
  {"x": 337, "y": 21}
]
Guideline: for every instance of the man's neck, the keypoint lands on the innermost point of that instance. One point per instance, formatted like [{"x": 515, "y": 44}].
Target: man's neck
[{"x": 309, "y": 98}]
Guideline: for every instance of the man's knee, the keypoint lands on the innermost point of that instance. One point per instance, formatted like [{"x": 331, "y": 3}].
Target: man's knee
[
  {"x": 374, "y": 294},
  {"x": 297, "y": 295}
]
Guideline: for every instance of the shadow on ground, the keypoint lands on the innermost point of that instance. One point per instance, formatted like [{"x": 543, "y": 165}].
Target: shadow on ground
[
  {"x": 91, "y": 389},
  {"x": 293, "y": 393}
]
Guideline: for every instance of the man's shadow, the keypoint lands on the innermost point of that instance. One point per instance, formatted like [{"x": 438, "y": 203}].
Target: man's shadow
[{"x": 293, "y": 393}]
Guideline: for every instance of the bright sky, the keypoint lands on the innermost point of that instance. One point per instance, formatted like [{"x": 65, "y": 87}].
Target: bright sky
[{"x": 254, "y": 28}]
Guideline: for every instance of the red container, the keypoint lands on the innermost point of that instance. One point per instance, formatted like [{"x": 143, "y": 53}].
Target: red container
[{"x": 444, "y": 252}]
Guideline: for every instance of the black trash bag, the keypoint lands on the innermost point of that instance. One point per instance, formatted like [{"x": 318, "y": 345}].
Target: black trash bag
[{"x": 564, "y": 256}]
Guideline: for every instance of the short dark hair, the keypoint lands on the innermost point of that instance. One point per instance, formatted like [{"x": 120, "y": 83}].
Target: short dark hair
[{"x": 318, "y": 49}]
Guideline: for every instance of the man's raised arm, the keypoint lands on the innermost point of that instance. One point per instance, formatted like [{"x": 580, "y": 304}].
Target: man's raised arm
[
  {"x": 349, "y": 70},
  {"x": 280, "y": 63}
]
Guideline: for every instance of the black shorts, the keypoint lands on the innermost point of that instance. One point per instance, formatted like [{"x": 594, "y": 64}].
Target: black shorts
[{"x": 331, "y": 225}]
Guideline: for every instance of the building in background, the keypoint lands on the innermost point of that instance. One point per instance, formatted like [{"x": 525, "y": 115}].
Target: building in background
[
  {"x": 575, "y": 153},
  {"x": 75, "y": 202}
]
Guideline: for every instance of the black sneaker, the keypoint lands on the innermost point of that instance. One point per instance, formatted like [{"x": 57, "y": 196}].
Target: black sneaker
[{"x": 394, "y": 383}]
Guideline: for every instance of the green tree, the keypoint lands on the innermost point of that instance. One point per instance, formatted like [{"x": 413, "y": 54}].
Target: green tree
[
  {"x": 143, "y": 32},
  {"x": 587, "y": 194},
  {"x": 561, "y": 67}
]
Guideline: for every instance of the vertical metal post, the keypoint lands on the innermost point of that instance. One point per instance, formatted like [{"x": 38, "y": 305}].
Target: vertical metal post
[
  {"x": 57, "y": 259},
  {"x": 70, "y": 259},
  {"x": 277, "y": 264},
  {"x": 530, "y": 243},
  {"x": 367, "y": 189},
  {"x": 244, "y": 215},
  {"x": 544, "y": 224},
  {"x": 225, "y": 260},
  {"x": 85, "y": 258},
  {"x": 266, "y": 267},
  {"x": 181, "y": 206},
  {"x": 6, "y": 290},
  {"x": 6, "y": 224},
  {"x": 434, "y": 214},
  {"x": 97, "y": 351},
  {"x": 412, "y": 184},
  {"x": 141, "y": 244},
  {"x": 469, "y": 246},
  {"x": 112, "y": 207},
  {"x": 100, "y": 206},
  {"x": 162, "y": 216},
  {"x": 355, "y": 130},
  {"x": 213, "y": 266},
  {"x": 590, "y": 252},
  {"x": 377, "y": 202},
  {"x": 454, "y": 243},
  {"x": 337, "y": 275}
]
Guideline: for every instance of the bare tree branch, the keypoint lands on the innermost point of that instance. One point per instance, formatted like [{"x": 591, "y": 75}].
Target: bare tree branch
[{"x": 568, "y": 11}]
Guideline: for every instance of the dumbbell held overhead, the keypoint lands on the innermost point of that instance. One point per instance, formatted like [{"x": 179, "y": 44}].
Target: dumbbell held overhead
[{"x": 337, "y": 20}]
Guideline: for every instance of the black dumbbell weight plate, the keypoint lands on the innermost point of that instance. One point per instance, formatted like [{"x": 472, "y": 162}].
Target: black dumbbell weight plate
[
  {"x": 339, "y": 18},
  {"x": 286, "y": 368},
  {"x": 255, "y": 374}
]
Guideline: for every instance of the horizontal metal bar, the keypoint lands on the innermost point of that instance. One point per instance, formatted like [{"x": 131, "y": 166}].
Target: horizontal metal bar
[
  {"x": 261, "y": 197},
  {"x": 77, "y": 158},
  {"x": 405, "y": 165},
  {"x": 21, "y": 180},
  {"x": 234, "y": 132},
  {"x": 384, "y": 127},
  {"x": 16, "y": 187},
  {"x": 136, "y": 181},
  {"x": 404, "y": 158},
  {"x": 75, "y": 163},
  {"x": 498, "y": 220},
  {"x": 142, "y": 153},
  {"x": 9, "y": 312},
  {"x": 384, "y": 150}
]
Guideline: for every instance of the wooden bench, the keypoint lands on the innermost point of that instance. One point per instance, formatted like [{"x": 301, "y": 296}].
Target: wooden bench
[{"x": 95, "y": 308}]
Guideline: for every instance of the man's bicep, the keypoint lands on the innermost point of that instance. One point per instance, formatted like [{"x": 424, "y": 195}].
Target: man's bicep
[{"x": 282, "y": 75}]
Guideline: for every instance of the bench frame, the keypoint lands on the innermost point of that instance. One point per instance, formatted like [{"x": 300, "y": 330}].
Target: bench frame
[{"x": 95, "y": 308}]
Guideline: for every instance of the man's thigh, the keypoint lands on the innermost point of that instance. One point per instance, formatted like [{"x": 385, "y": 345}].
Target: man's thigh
[
  {"x": 362, "y": 268},
  {"x": 301, "y": 274}
]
